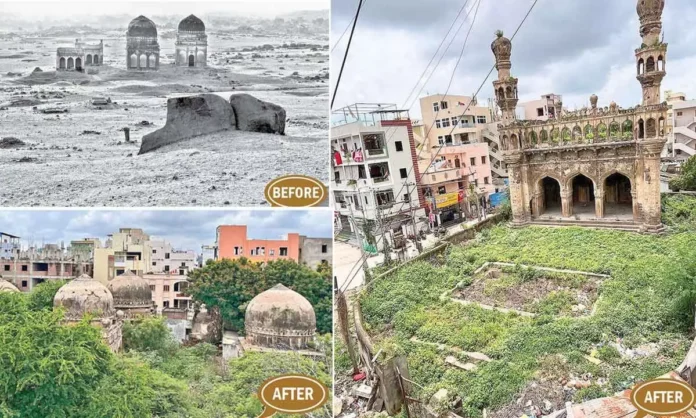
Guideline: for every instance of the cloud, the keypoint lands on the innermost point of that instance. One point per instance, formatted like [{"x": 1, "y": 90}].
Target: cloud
[
  {"x": 184, "y": 229},
  {"x": 572, "y": 48}
]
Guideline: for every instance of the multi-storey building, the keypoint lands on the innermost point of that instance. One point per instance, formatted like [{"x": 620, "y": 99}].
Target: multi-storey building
[
  {"x": 315, "y": 251},
  {"x": 458, "y": 158},
  {"x": 549, "y": 106},
  {"x": 376, "y": 176},
  {"x": 681, "y": 126},
  {"x": 232, "y": 243},
  {"x": 128, "y": 249},
  {"x": 9, "y": 245},
  {"x": 164, "y": 259}
]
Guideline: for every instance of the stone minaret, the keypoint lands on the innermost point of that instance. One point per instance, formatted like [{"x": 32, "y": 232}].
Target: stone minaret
[
  {"x": 506, "y": 85},
  {"x": 652, "y": 54}
]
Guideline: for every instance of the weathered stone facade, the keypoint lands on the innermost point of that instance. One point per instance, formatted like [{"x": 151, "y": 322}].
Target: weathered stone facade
[
  {"x": 598, "y": 164},
  {"x": 191, "y": 48},
  {"x": 142, "y": 47}
]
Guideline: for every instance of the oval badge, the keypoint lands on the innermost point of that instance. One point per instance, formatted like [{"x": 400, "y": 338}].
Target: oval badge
[
  {"x": 291, "y": 394},
  {"x": 662, "y": 397},
  {"x": 295, "y": 191}
]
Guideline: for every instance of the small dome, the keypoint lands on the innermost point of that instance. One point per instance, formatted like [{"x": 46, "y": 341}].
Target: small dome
[
  {"x": 82, "y": 296},
  {"x": 6, "y": 286},
  {"x": 130, "y": 291},
  {"x": 593, "y": 100},
  {"x": 650, "y": 8},
  {"x": 280, "y": 317},
  {"x": 142, "y": 27},
  {"x": 501, "y": 47},
  {"x": 192, "y": 24}
]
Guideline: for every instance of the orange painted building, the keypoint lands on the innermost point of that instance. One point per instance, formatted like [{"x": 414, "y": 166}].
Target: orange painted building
[{"x": 232, "y": 243}]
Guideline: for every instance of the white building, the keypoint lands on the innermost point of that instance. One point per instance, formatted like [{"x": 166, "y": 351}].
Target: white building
[
  {"x": 165, "y": 259},
  {"x": 375, "y": 170},
  {"x": 681, "y": 124},
  {"x": 9, "y": 245}
]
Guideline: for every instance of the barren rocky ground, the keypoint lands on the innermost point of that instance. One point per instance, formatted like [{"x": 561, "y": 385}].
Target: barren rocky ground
[{"x": 80, "y": 157}]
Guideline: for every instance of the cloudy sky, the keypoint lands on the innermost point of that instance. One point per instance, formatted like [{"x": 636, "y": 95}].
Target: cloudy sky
[
  {"x": 185, "y": 230},
  {"x": 571, "y": 47}
]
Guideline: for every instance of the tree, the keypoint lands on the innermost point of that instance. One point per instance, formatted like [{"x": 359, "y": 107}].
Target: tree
[
  {"x": 47, "y": 369},
  {"x": 687, "y": 179},
  {"x": 41, "y": 297},
  {"x": 229, "y": 285},
  {"x": 147, "y": 334}
]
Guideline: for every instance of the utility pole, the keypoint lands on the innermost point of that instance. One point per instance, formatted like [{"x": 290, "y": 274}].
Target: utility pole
[
  {"x": 352, "y": 221},
  {"x": 380, "y": 222},
  {"x": 413, "y": 217}
]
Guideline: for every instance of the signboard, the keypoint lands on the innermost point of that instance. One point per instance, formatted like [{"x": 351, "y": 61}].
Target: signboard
[{"x": 447, "y": 199}]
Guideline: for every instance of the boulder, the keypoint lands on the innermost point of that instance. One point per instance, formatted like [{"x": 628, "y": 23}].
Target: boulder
[
  {"x": 188, "y": 117},
  {"x": 252, "y": 114}
]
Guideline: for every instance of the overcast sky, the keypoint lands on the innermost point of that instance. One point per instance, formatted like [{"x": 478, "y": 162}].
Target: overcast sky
[
  {"x": 184, "y": 229},
  {"x": 573, "y": 48},
  {"x": 60, "y": 9}
]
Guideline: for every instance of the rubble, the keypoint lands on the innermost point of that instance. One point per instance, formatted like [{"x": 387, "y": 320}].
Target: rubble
[{"x": 11, "y": 142}]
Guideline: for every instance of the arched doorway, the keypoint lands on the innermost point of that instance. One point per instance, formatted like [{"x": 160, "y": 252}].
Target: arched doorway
[
  {"x": 549, "y": 197},
  {"x": 62, "y": 63},
  {"x": 618, "y": 200},
  {"x": 78, "y": 64},
  {"x": 134, "y": 61},
  {"x": 182, "y": 58},
  {"x": 192, "y": 60},
  {"x": 96, "y": 60},
  {"x": 88, "y": 59},
  {"x": 152, "y": 61},
  {"x": 583, "y": 199},
  {"x": 143, "y": 61},
  {"x": 71, "y": 63},
  {"x": 200, "y": 57}
]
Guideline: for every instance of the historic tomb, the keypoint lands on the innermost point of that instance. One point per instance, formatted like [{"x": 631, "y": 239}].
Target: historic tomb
[
  {"x": 599, "y": 165},
  {"x": 191, "y": 43},
  {"x": 80, "y": 56},
  {"x": 142, "y": 48}
]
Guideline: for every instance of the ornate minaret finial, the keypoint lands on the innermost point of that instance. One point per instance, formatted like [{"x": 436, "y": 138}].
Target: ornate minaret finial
[
  {"x": 652, "y": 54},
  {"x": 506, "y": 85}
]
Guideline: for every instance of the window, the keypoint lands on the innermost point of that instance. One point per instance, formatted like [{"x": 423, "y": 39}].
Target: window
[
  {"x": 680, "y": 113},
  {"x": 271, "y": 252},
  {"x": 154, "y": 263},
  {"x": 25, "y": 283},
  {"x": 399, "y": 145},
  {"x": 480, "y": 119},
  {"x": 445, "y": 123},
  {"x": 152, "y": 287},
  {"x": 165, "y": 304},
  {"x": 441, "y": 190},
  {"x": 485, "y": 180},
  {"x": 472, "y": 161},
  {"x": 407, "y": 197},
  {"x": 119, "y": 272},
  {"x": 438, "y": 124},
  {"x": 448, "y": 139},
  {"x": 475, "y": 182},
  {"x": 460, "y": 185},
  {"x": 166, "y": 288},
  {"x": 24, "y": 268},
  {"x": 283, "y": 251},
  {"x": 154, "y": 251},
  {"x": 236, "y": 250},
  {"x": 443, "y": 105},
  {"x": 7, "y": 267},
  {"x": 181, "y": 272},
  {"x": 263, "y": 250},
  {"x": 324, "y": 262},
  {"x": 384, "y": 198},
  {"x": 253, "y": 252},
  {"x": 362, "y": 174},
  {"x": 436, "y": 107},
  {"x": 483, "y": 159},
  {"x": 454, "y": 121},
  {"x": 183, "y": 264},
  {"x": 403, "y": 172},
  {"x": 441, "y": 140},
  {"x": 166, "y": 256},
  {"x": 540, "y": 111},
  {"x": 324, "y": 248},
  {"x": 166, "y": 268}
]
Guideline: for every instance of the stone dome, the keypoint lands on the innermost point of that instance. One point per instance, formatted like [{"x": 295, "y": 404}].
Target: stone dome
[
  {"x": 501, "y": 47},
  {"x": 280, "y": 317},
  {"x": 130, "y": 291},
  {"x": 84, "y": 295},
  {"x": 650, "y": 8},
  {"x": 142, "y": 27},
  {"x": 192, "y": 24},
  {"x": 6, "y": 286}
]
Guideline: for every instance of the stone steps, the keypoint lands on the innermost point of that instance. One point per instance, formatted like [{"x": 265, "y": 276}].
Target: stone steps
[{"x": 590, "y": 223}]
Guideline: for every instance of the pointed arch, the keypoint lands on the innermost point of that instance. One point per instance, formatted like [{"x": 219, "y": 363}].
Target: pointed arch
[
  {"x": 641, "y": 66},
  {"x": 627, "y": 129},
  {"x": 650, "y": 65},
  {"x": 565, "y": 135},
  {"x": 650, "y": 128},
  {"x": 614, "y": 130},
  {"x": 577, "y": 134},
  {"x": 555, "y": 135},
  {"x": 533, "y": 140},
  {"x": 601, "y": 132},
  {"x": 589, "y": 132},
  {"x": 641, "y": 128},
  {"x": 544, "y": 136}
]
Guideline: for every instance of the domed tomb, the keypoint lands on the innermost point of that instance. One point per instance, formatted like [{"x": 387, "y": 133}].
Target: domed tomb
[
  {"x": 280, "y": 318},
  {"x": 82, "y": 296},
  {"x": 131, "y": 293},
  {"x": 191, "y": 47},
  {"x": 142, "y": 48}
]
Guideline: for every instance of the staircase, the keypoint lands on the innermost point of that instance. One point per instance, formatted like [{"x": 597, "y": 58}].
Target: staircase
[
  {"x": 619, "y": 225},
  {"x": 494, "y": 153}
]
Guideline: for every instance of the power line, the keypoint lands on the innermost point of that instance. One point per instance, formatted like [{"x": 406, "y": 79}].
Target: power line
[
  {"x": 345, "y": 56},
  {"x": 524, "y": 19},
  {"x": 338, "y": 41}
]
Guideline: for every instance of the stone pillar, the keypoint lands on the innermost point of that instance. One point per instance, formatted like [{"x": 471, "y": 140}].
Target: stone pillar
[
  {"x": 649, "y": 188},
  {"x": 513, "y": 159},
  {"x": 566, "y": 203},
  {"x": 599, "y": 202},
  {"x": 157, "y": 61},
  {"x": 536, "y": 204}
]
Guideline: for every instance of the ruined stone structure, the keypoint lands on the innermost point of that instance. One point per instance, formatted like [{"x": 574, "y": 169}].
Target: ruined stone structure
[
  {"x": 191, "y": 43},
  {"x": 280, "y": 318},
  {"x": 598, "y": 164},
  {"x": 142, "y": 48},
  {"x": 131, "y": 294},
  {"x": 6, "y": 286},
  {"x": 86, "y": 296},
  {"x": 80, "y": 56}
]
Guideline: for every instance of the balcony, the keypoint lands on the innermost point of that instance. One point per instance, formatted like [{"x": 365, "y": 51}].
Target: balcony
[
  {"x": 379, "y": 173},
  {"x": 444, "y": 176},
  {"x": 375, "y": 146}
]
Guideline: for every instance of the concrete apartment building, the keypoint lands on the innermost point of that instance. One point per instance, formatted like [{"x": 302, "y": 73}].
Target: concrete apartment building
[
  {"x": 549, "y": 106},
  {"x": 376, "y": 175},
  {"x": 9, "y": 245},
  {"x": 680, "y": 126},
  {"x": 128, "y": 249},
  {"x": 165, "y": 259},
  {"x": 461, "y": 150},
  {"x": 232, "y": 242}
]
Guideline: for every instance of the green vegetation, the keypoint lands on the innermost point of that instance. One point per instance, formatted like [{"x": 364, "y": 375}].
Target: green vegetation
[
  {"x": 649, "y": 298},
  {"x": 228, "y": 285},
  {"x": 687, "y": 179}
]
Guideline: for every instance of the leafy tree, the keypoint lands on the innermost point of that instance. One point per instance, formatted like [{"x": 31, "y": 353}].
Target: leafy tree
[
  {"x": 147, "y": 334},
  {"x": 687, "y": 179},
  {"x": 229, "y": 285},
  {"x": 41, "y": 297},
  {"x": 46, "y": 369}
]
